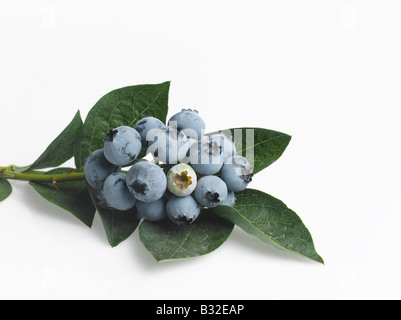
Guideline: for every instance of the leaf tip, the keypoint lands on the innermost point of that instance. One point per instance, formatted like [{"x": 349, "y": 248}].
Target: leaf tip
[{"x": 320, "y": 260}]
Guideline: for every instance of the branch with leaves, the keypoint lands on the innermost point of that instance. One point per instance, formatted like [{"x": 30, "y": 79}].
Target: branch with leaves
[{"x": 256, "y": 212}]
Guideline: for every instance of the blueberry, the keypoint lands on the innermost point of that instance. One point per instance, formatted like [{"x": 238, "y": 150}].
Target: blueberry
[
  {"x": 168, "y": 145},
  {"x": 226, "y": 141},
  {"x": 151, "y": 211},
  {"x": 146, "y": 124},
  {"x": 146, "y": 181},
  {"x": 236, "y": 173},
  {"x": 116, "y": 193},
  {"x": 122, "y": 145},
  {"x": 211, "y": 191},
  {"x": 181, "y": 180},
  {"x": 182, "y": 210},
  {"x": 231, "y": 200},
  {"x": 208, "y": 158},
  {"x": 189, "y": 122},
  {"x": 97, "y": 168}
]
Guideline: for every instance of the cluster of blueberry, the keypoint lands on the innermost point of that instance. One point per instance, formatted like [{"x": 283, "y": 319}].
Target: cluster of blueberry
[{"x": 195, "y": 172}]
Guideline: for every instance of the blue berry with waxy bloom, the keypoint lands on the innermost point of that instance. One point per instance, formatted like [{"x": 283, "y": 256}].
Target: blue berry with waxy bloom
[
  {"x": 122, "y": 145},
  {"x": 151, "y": 211},
  {"x": 211, "y": 191},
  {"x": 168, "y": 145},
  {"x": 147, "y": 124},
  {"x": 181, "y": 180},
  {"x": 231, "y": 200},
  {"x": 182, "y": 210},
  {"x": 116, "y": 193},
  {"x": 237, "y": 173},
  {"x": 97, "y": 168},
  {"x": 208, "y": 158},
  {"x": 146, "y": 181},
  {"x": 226, "y": 141},
  {"x": 189, "y": 122}
]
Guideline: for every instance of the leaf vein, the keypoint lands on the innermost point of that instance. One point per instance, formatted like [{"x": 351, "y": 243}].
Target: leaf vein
[
  {"x": 264, "y": 141},
  {"x": 133, "y": 121},
  {"x": 183, "y": 242}
]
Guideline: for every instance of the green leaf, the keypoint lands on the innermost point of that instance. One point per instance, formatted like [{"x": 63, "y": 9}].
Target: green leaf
[
  {"x": 265, "y": 145},
  {"x": 270, "y": 220},
  {"x": 118, "y": 225},
  {"x": 72, "y": 196},
  {"x": 5, "y": 189},
  {"x": 167, "y": 241},
  {"x": 121, "y": 107},
  {"x": 61, "y": 149}
]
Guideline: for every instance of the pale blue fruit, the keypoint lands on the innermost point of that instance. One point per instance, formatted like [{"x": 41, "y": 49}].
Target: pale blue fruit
[
  {"x": 211, "y": 191},
  {"x": 147, "y": 124},
  {"x": 146, "y": 181},
  {"x": 116, "y": 193},
  {"x": 122, "y": 145},
  {"x": 237, "y": 173},
  {"x": 231, "y": 200},
  {"x": 97, "y": 168},
  {"x": 182, "y": 210},
  {"x": 151, "y": 211},
  {"x": 168, "y": 145},
  {"x": 189, "y": 122},
  {"x": 208, "y": 158}
]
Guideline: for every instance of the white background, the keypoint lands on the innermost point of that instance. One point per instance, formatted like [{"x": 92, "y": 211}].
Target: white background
[{"x": 326, "y": 72}]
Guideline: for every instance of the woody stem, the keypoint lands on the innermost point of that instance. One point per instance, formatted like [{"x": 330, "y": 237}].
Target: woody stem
[{"x": 40, "y": 176}]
